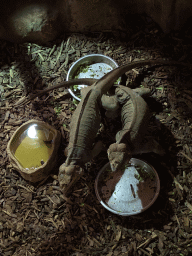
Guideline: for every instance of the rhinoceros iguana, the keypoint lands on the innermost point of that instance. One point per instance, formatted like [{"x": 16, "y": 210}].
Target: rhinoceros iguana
[
  {"x": 86, "y": 120},
  {"x": 135, "y": 116}
]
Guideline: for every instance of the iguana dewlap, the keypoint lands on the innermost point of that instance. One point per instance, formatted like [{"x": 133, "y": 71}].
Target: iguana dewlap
[{"x": 135, "y": 116}]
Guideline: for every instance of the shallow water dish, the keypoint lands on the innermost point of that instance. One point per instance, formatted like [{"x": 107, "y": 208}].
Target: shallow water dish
[
  {"x": 32, "y": 150},
  {"x": 129, "y": 191},
  {"x": 89, "y": 66}
]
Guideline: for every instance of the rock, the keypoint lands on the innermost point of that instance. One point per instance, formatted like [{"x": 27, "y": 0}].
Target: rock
[
  {"x": 42, "y": 21},
  {"x": 26, "y": 21}
]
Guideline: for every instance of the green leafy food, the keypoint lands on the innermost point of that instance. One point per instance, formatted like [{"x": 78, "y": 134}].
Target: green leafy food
[
  {"x": 72, "y": 108},
  {"x": 118, "y": 80},
  {"x": 143, "y": 174},
  {"x": 82, "y": 69},
  {"x": 58, "y": 110},
  {"x": 75, "y": 87},
  {"x": 76, "y": 102},
  {"x": 77, "y": 91}
]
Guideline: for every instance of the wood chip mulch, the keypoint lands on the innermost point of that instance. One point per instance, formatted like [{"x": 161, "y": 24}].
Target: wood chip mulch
[{"x": 37, "y": 219}]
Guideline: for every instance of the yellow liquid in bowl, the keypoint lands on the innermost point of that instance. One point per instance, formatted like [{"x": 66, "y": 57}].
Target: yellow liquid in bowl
[{"x": 35, "y": 147}]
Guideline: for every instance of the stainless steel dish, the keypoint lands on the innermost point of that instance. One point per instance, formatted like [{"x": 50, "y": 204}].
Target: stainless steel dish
[
  {"x": 89, "y": 66},
  {"x": 129, "y": 191}
]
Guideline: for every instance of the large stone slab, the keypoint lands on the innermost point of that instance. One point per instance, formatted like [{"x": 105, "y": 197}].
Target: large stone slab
[{"x": 44, "y": 20}]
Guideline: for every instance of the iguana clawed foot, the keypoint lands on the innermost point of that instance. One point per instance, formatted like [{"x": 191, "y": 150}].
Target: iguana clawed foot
[
  {"x": 118, "y": 154},
  {"x": 67, "y": 176}
]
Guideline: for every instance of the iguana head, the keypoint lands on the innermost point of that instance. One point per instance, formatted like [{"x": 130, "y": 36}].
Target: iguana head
[
  {"x": 66, "y": 174},
  {"x": 121, "y": 95},
  {"x": 118, "y": 154}
]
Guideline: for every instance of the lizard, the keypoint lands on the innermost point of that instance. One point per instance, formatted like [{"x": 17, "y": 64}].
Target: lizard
[
  {"x": 135, "y": 116},
  {"x": 86, "y": 120}
]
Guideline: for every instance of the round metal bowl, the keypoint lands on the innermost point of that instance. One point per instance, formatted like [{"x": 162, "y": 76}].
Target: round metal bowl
[
  {"x": 89, "y": 66},
  {"x": 129, "y": 191}
]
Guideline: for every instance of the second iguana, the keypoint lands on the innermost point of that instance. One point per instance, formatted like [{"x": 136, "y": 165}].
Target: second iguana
[
  {"x": 86, "y": 120},
  {"x": 135, "y": 117}
]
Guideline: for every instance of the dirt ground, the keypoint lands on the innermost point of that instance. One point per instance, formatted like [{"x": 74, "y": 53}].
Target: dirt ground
[{"x": 37, "y": 219}]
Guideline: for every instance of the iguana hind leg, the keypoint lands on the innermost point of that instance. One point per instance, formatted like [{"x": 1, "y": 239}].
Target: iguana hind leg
[{"x": 143, "y": 92}]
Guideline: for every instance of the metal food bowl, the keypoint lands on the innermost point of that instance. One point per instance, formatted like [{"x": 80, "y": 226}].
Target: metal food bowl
[
  {"x": 129, "y": 191},
  {"x": 89, "y": 66}
]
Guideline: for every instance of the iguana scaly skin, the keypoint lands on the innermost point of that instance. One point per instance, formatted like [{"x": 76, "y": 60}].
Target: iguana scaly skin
[
  {"x": 84, "y": 81},
  {"x": 86, "y": 119},
  {"x": 135, "y": 116}
]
